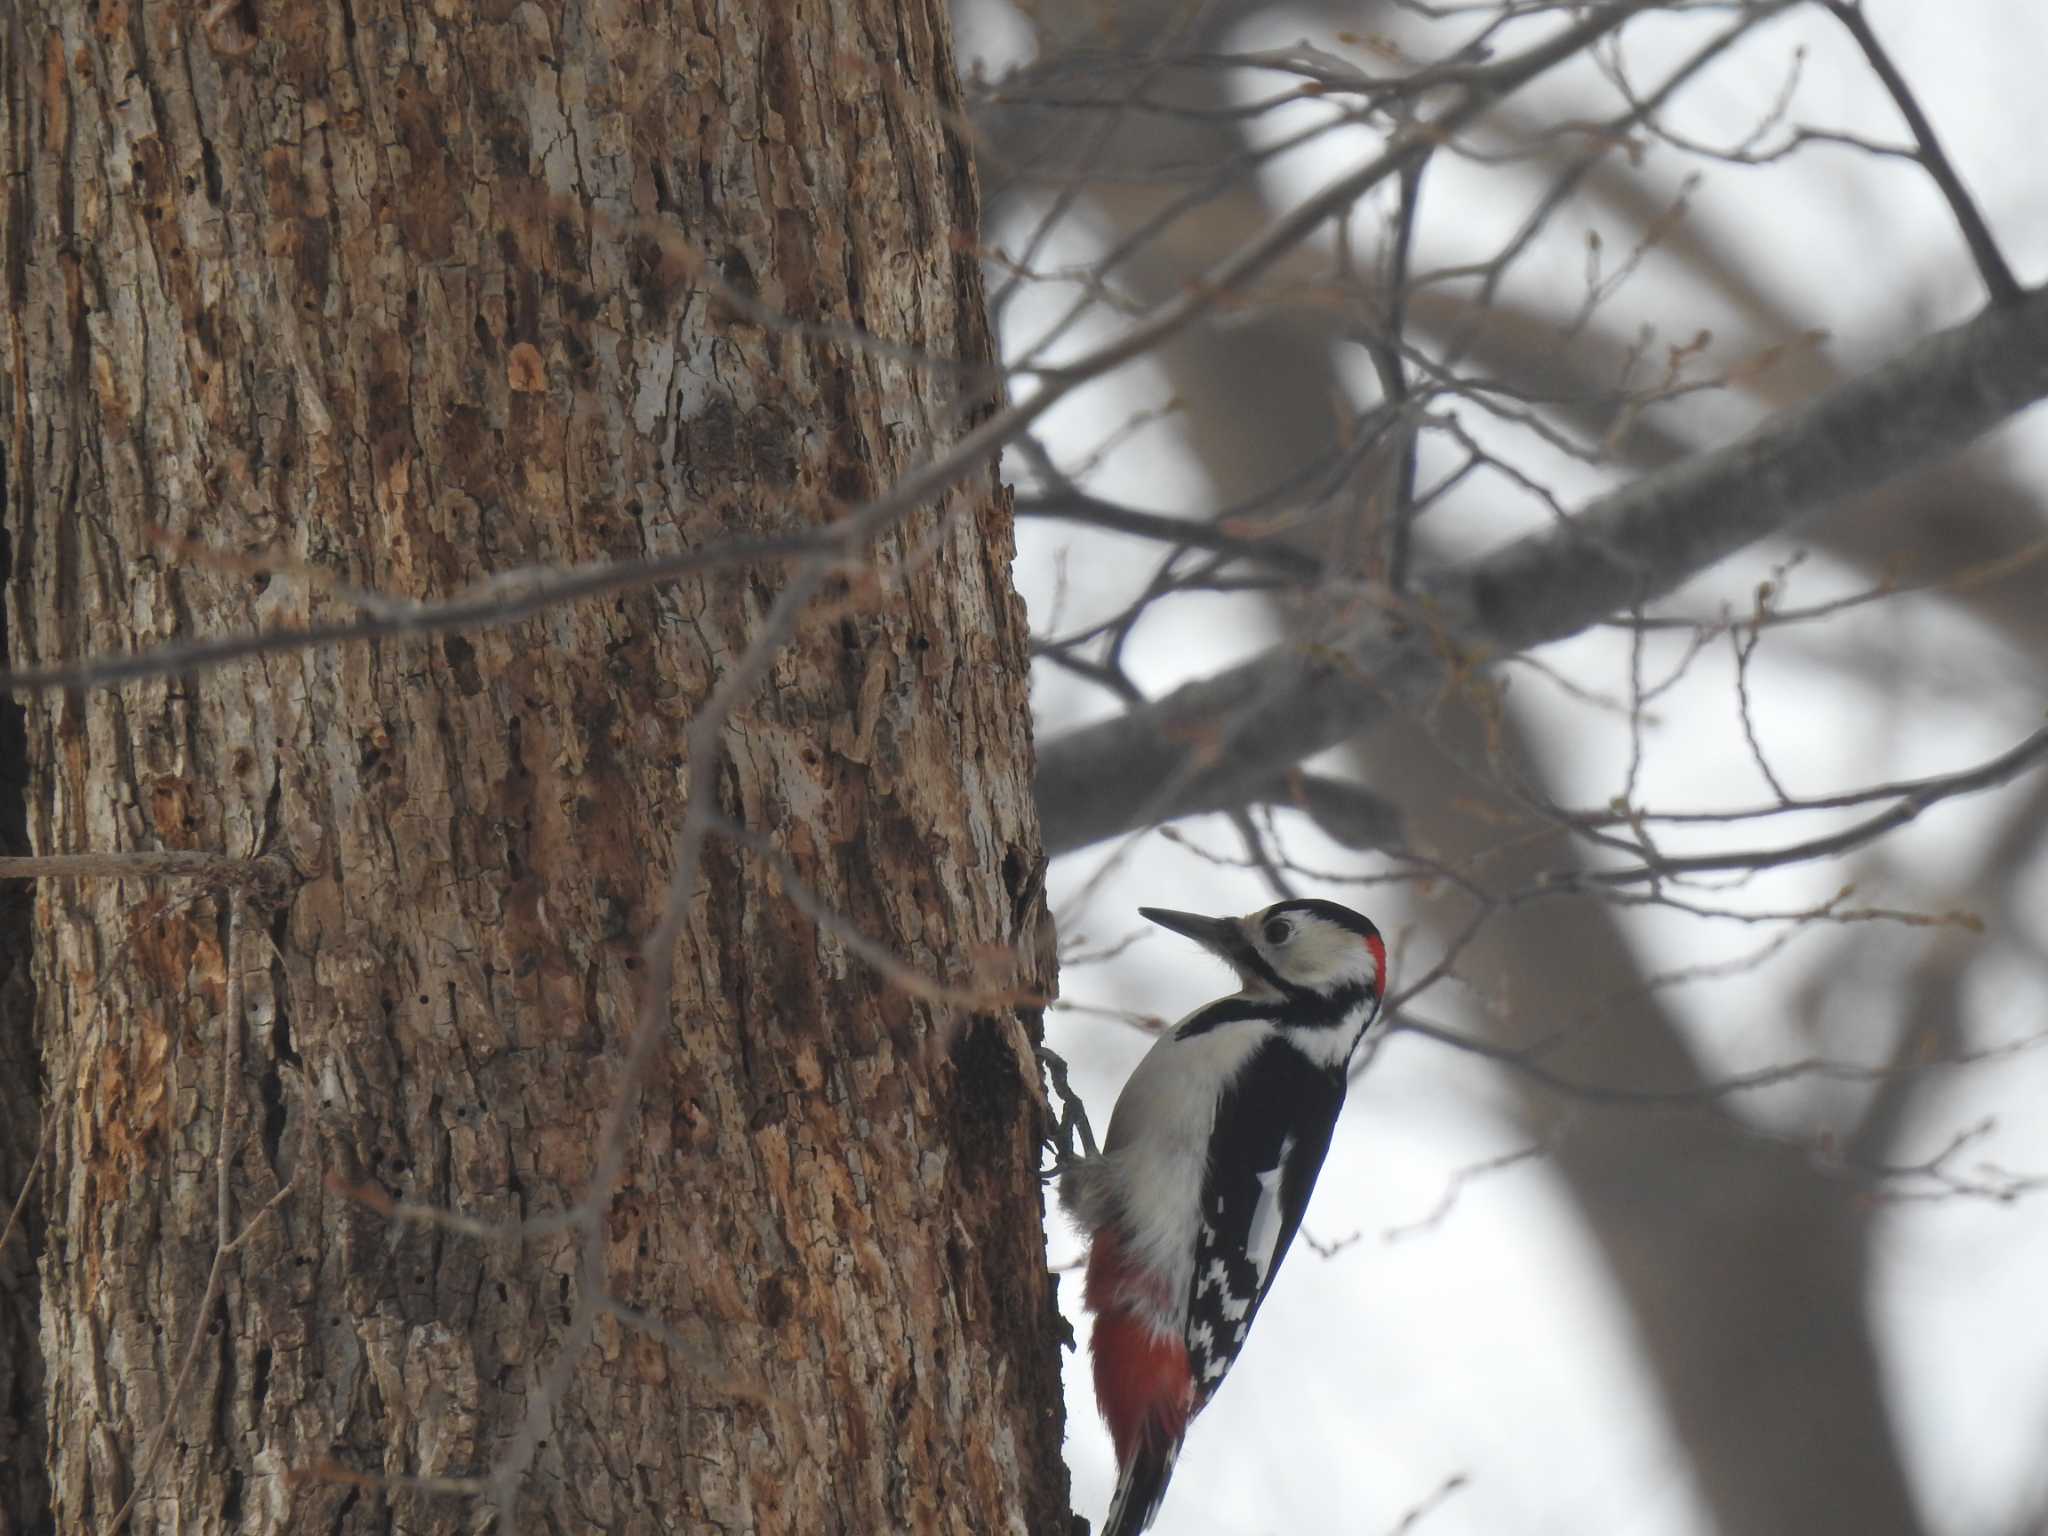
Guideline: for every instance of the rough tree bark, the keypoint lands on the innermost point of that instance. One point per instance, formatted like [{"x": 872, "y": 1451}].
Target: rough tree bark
[
  {"x": 24, "y": 1488},
  {"x": 381, "y": 291}
]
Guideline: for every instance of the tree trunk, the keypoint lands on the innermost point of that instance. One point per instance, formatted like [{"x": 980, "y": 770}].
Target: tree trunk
[
  {"x": 24, "y": 1488},
  {"x": 393, "y": 297}
]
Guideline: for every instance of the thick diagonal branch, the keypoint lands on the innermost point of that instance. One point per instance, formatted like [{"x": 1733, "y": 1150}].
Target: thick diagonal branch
[{"x": 1215, "y": 742}]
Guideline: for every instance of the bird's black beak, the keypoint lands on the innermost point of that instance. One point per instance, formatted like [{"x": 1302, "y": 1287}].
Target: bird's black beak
[{"x": 1223, "y": 937}]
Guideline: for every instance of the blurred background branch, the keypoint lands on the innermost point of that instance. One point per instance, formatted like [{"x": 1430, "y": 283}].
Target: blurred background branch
[{"x": 1490, "y": 501}]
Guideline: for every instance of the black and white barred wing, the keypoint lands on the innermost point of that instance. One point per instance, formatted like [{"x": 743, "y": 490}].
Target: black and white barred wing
[{"x": 1272, "y": 1130}]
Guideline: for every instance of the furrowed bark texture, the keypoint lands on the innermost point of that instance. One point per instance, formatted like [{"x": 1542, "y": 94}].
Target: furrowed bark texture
[
  {"x": 382, "y": 290},
  {"x": 24, "y": 1487}
]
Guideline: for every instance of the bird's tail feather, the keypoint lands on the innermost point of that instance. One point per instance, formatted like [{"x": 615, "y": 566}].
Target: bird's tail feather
[{"x": 1142, "y": 1486}]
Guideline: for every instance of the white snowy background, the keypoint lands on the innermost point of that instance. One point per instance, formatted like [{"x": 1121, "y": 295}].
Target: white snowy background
[{"x": 1485, "y": 1347}]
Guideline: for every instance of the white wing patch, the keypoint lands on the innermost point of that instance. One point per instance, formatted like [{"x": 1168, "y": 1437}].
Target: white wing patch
[{"x": 1265, "y": 1228}]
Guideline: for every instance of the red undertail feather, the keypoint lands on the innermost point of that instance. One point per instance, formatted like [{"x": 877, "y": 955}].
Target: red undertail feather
[{"x": 1142, "y": 1382}]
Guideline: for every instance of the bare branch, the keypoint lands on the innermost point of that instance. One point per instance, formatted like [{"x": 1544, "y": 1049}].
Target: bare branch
[
  {"x": 1628, "y": 547},
  {"x": 225, "y": 1247},
  {"x": 1456, "y": 1185},
  {"x": 704, "y": 747},
  {"x": 493, "y": 604},
  {"x": 1424, "y": 1508},
  {"x": 503, "y": 599},
  {"x": 28, "y": 1180},
  {"x": 268, "y": 872},
  {"x": 1928, "y": 792},
  {"x": 1526, "y": 1063},
  {"x": 2003, "y": 287},
  {"x": 1077, "y": 506},
  {"x": 981, "y": 993}
]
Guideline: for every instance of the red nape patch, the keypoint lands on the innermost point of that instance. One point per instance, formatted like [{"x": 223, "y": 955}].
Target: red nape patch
[
  {"x": 1379, "y": 960},
  {"x": 1142, "y": 1384}
]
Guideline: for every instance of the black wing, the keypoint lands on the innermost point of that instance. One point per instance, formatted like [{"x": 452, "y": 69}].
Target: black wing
[{"x": 1272, "y": 1130}]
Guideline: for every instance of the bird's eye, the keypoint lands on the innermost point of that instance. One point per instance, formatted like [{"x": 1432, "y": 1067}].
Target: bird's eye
[{"x": 1279, "y": 931}]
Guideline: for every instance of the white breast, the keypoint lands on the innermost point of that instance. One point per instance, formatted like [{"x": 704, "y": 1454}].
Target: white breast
[{"x": 1156, "y": 1152}]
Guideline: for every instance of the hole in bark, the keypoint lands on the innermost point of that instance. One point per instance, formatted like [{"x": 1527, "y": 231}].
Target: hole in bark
[
  {"x": 259, "y": 1380},
  {"x": 270, "y": 1088},
  {"x": 773, "y": 1302}
]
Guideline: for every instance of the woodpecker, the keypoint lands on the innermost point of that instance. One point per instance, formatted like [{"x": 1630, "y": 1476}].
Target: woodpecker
[{"x": 1212, "y": 1151}]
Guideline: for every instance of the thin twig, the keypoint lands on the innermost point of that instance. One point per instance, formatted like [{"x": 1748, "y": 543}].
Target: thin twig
[
  {"x": 170, "y": 864},
  {"x": 1745, "y": 649},
  {"x": 898, "y": 973},
  {"x": 225, "y": 1247},
  {"x": 1422, "y": 1510},
  {"x": 1454, "y": 1187},
  {"x": 497, "y": 601},
  {"x": 28, "y": 1181},
  {"x": 1929, "y": 792},
  {"x": 1077, "y": 506},
  {"x": 1999, "y": 282},
  {"x": 1386, "y": 353},
  {"x": 1526, "y": 1063},
  {"x": 492, "y": 605},
  {"x": 704, "y": 750}
]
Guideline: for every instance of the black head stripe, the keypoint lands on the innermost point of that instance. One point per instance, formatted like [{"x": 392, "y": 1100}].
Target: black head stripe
[
  {"x": 1329, "y": 912},
  {"x": 1225, "y": 1010},
  {"x": 1331, "y": 1007},
  {"x": 1301, "y": 1008}
]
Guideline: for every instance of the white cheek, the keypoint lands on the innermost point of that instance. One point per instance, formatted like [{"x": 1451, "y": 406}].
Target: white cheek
[{"x": 1317, "y": 957}]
